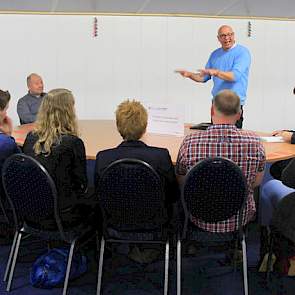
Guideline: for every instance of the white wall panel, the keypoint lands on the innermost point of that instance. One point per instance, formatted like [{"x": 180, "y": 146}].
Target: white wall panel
[{"x": 135, "y": 57}]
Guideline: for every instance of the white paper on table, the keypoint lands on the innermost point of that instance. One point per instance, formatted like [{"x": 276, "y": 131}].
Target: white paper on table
[
  {"x": 272, "y": 138},
  {"x": 165, "y": 119}
]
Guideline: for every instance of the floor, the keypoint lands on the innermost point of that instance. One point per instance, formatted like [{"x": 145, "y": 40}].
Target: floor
[{"x": 201, "y": 274}]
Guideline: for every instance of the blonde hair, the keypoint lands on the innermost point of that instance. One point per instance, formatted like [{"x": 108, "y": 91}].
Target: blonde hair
[
  {"x": 56, "y": 117},
  {"x": 131, "y": 119}
]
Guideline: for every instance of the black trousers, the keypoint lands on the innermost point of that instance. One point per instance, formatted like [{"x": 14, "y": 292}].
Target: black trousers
[
  {"x": 277, "y": 168},
  {"x": 239, "y": 123}
]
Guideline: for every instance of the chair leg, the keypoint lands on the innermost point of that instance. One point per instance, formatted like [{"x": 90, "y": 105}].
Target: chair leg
[
  {"x": 102, "y": 245},
  {"x": 166, "y": 268},
  {"x": 245, "y": 268},
  {"x": 178, "y": 257},
  {"x": 12, "y": 249},
  {"x": 97, "y": 243},
  {"x": 269, "y": 258},
  {"x": 69, "y": 264},
  {"x": 235, "y": 255},
  {"x": 15, "y": 254}
]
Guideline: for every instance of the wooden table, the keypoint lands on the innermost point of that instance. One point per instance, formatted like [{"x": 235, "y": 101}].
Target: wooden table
[{"x": 102, "y": 134}]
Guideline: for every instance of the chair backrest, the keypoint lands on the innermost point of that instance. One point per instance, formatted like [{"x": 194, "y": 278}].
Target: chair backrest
[
  {"x": 131, "y": 196},
  {"x": 3, "y": 215},
  {"x": 215, "y": 189},
  {"x": 30, "y": 190}
]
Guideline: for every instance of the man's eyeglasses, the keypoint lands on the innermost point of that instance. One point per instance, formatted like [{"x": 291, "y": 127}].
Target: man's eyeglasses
[{"x": 223, "y": 36}]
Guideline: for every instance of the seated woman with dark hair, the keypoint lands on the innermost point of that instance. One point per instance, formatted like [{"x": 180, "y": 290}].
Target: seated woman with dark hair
[
  {"x": 7, "y": 146},
  {"x": 7, "y": 143},
  {"x": 54, "y": 142}
]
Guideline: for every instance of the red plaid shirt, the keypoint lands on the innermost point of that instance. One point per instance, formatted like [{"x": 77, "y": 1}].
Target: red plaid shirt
[{"x": 242, "y": 147}]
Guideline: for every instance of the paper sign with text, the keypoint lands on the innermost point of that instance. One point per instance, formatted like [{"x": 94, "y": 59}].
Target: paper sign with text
[{"x": 165, "y": 119}]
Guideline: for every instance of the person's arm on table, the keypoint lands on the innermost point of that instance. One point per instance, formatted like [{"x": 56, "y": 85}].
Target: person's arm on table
[{"x": 288, "y": 136}]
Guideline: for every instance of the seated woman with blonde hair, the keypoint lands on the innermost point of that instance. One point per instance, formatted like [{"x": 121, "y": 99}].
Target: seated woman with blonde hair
[
  {"x": 131, "y": 120},
  {"x": 54, "y": 142}
]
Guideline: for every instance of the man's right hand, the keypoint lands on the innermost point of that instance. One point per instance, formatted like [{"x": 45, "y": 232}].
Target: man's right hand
[
  {"x": 184, "y": 73},
  {"x": 198, "y": 77}
]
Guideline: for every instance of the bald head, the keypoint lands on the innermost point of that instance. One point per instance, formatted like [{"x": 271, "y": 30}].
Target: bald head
[
  {"x": 224, "y": 28},
  {"x": 226, "y": 37},
  {"x": 35, "y": 84}
]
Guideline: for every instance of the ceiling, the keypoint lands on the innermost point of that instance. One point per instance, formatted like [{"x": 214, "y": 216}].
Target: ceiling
[{"x": 284, "y": 9}]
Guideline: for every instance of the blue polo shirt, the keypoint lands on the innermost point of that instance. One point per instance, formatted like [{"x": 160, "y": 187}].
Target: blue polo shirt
[{"x": 237, "y": 60}]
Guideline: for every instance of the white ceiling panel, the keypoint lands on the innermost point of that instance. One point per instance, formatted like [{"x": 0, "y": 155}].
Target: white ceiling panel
[{"x": 234, "y": 8}]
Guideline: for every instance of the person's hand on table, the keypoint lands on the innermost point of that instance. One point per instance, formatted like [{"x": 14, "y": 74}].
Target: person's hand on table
[{"x": 286, "y": 135}]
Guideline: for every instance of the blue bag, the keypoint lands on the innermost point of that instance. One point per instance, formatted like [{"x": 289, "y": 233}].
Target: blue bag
[{"x": 49, "y": 270}]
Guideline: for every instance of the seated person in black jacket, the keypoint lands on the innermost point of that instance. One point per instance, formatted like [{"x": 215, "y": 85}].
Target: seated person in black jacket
[
  {"x": 277, "y": 168},
  {"x": 131, "y": 119},
  {"x": 54, "y": 142}
]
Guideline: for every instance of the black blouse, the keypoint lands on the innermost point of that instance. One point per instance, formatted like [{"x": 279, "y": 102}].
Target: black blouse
[{"x": 67, "y": 166}]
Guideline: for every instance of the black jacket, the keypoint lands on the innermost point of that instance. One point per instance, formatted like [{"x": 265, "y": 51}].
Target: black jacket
[
  {"x": 158, "y": 158},
  {"x": 66, "y": 164}
]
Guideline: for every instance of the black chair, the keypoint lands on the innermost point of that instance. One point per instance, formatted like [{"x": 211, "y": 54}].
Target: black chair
[
  {"x": 3, "y": 214},
  {"x": 131, "y": 197},
  {"x": 32, "y": 195},
  {"x": 283, "y": 228},
  {"x": 6, "y": 218},
  {"x": 215, "y": 189}
]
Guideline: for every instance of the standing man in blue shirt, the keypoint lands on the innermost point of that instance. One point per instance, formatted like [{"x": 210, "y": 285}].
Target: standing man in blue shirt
[
  {"x": 228, "y": 66},
  {"x": 28, "y": 106}
]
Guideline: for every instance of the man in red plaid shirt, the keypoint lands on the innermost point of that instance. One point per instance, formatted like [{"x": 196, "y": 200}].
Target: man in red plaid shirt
[{"x": 223, "y": 139}]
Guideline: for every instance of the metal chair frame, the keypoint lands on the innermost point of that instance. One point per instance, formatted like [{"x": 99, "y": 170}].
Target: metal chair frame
[
  {"x": 105, "y": 238},
  {"x": 240, "y": 233},
  {"x": 22, "y": 228}
]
